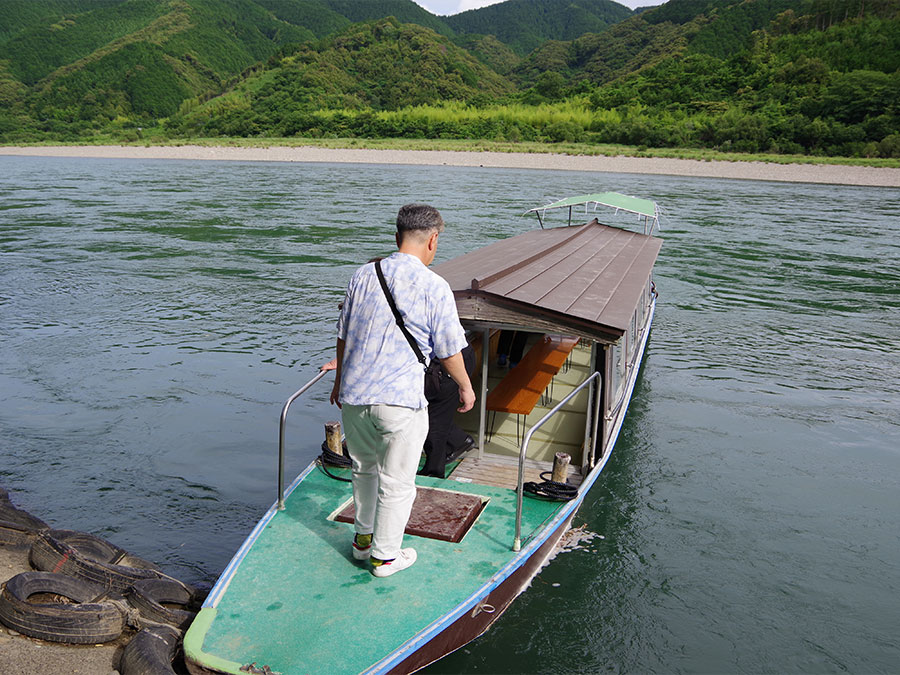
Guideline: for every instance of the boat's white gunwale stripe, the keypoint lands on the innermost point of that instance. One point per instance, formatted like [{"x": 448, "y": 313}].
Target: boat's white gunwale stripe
[
  {"x": 439, "y": 625},
  {"x": 228, "y": 574}
]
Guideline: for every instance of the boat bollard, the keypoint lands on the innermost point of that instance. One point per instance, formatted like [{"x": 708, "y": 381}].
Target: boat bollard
[
  {"x": 560, "y": 467},
  {"x": 333, "y": 437}
]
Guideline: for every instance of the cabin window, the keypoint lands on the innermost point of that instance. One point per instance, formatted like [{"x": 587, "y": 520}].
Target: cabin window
[
  {"x": 616, "y": 370},
  {"x": 648, "y": 296},
  {"x": 632, "y": 333}
]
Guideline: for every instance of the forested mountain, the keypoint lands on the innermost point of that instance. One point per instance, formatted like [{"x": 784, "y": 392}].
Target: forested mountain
[
  {"x": 19, "y": 15},
  {"x": 405, "y": 11},
  {"x": 798, "y": 76},
  {"x": 719, "y": 28},
  {"x": 138, "y": 57},
  {"x": 380, "y": 65},
  {"x": 822, "y": 78},
  {"x": 526, "y": 24},
  {"x": 83, "y": 59}
]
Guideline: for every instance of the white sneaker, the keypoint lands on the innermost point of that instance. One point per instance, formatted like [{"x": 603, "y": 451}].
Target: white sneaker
[
  {"x": 405, "y": 558},
  {"x": 362, "y": 552}
]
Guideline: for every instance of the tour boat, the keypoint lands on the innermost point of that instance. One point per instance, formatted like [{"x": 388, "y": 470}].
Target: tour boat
[{"x": 294, "y": 600}]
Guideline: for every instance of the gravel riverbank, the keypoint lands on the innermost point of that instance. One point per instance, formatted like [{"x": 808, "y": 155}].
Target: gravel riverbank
[{"x": 796, "y": 173}]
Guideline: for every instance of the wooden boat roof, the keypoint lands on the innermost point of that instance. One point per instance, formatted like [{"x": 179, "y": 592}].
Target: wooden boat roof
[{"x": 584, "y": 280}]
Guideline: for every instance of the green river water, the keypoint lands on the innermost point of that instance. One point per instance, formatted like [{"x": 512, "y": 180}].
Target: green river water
[{"x": 154, "y": 315}]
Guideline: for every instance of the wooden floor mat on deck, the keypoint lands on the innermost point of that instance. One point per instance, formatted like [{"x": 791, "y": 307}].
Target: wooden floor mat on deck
[
  {"x": 503, "y": 471},
  {"x": 436, "y": 514}
]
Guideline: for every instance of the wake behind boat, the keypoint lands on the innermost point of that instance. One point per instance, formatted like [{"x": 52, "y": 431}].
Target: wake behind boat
[{"x": 581, "y": 301}]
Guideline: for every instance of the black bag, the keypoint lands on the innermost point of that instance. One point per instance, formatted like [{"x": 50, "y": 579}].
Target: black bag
[
  {"x": 433, "y": 376},
  {"x": 433, "y": 371}
]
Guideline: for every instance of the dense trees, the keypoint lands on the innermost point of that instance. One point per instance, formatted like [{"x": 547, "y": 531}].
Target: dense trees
[
  {"x": 815, "y": 77},
  {"x": 526, "y": 24}
]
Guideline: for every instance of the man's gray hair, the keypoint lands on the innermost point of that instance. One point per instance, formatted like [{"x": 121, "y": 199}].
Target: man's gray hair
[{"x": 419, "y": 218}]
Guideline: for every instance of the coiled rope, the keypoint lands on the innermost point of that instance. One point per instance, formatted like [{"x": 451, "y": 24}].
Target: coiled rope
[
  {"x": 550, "y": 489},
  {"x": 332, "y": 458}
]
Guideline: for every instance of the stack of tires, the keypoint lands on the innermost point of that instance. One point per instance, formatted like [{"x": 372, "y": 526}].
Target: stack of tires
[{"x": 86, "y": 590}]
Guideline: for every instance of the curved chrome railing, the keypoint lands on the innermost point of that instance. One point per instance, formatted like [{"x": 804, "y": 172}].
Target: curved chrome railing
[
  {"x": 520, "y": 489},
  {"x": 284, "y": 412}
]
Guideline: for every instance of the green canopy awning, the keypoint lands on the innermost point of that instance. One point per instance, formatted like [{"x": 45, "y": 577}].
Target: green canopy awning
[{"x": 614, "y": 200}]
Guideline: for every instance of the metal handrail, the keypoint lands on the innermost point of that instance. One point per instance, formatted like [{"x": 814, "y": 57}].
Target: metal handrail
[
  {"x": 284, "y": 412},
  {"x": 520, "y": 489}
]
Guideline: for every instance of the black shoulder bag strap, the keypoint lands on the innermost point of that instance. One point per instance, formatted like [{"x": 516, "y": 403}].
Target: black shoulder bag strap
[{"x": 397, "y": 317}]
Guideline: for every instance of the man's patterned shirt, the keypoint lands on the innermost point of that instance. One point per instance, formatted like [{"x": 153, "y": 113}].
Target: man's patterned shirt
[{"x": 379, "y": 365}]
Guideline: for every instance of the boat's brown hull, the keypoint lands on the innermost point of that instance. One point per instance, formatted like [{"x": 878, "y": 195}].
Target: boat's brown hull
[{"x": 477, "y": 620}]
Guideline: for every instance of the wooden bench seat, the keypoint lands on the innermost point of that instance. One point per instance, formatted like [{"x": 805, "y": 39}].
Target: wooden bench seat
[{"x": 523, "y": 386}]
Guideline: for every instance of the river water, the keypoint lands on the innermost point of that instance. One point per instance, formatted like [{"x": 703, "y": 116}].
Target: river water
[{"x": 154, "y": 315}]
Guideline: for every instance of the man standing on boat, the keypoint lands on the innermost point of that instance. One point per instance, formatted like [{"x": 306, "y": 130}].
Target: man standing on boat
[{"x": 379, "y": 383}]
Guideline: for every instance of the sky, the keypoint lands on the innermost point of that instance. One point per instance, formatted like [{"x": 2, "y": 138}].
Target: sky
[{"x": 444, "y": 7}]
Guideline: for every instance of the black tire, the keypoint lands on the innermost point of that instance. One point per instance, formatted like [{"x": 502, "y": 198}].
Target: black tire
[
  {"x": 97, "y": 549},
  {"x": 148, "y": 596},
  {"x": 18, "y": 527},
  {"x": 84, "y": 622},
  {"x": 50, "y": 554},
  {"x": 4, "y": 495},
  {"x": 151, "y": 652}
]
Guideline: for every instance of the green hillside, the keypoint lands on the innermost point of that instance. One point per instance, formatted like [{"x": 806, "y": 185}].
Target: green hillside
[
  {"x": 61, "y": 39},
  {"x": 377, "y": 65},
  {"x": 313, "y": 15},
  {"x": 496, "y": 55},
  {"x": 138, "y": 57},
  {"x": 719, "y": 28},
  {"x": 813, "y": 81},
  {"x": 19, "y": 15},
  {"x": 405, "y": 11},
  {"x": 778, "y": 76},
  {"x": 526, "y": 24}
]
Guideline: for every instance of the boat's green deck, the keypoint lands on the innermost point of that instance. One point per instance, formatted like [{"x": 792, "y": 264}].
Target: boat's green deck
[{"x": 300, "y": 603}]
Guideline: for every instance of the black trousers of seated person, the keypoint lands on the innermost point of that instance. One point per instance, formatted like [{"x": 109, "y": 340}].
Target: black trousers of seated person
[
  {"x": 512, "y": 344},
  {"x": 444, "y": 436}
]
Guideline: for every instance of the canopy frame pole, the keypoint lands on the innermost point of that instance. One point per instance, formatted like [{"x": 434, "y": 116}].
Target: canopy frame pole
[{"x": 482, "y": 405}]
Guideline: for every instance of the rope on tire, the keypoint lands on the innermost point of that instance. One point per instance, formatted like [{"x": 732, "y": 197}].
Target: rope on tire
[{"x": 135, "y": 619}]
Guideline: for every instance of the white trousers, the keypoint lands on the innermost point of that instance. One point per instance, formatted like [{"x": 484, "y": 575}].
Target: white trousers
[{"x": 385, "y": 443}]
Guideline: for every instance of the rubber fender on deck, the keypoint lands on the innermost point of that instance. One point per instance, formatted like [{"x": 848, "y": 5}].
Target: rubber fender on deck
[
  {"x": 18, "y": 527},
  {"x": 148, "y": 595},
  {"x": 84, "y": 621},
  {"x": 52, "y": 554},
  {"x": 151, "y": 652}
]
